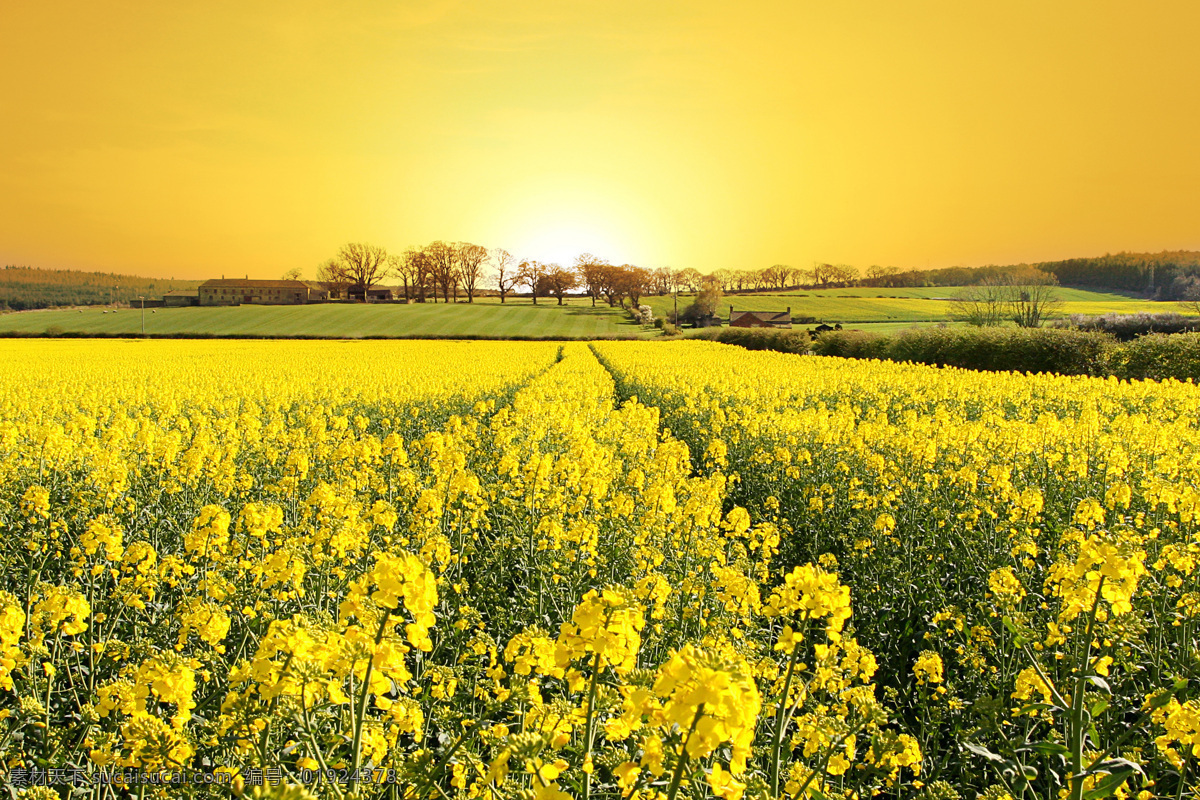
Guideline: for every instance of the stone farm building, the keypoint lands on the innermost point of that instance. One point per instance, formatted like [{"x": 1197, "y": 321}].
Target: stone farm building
[
  {"x": 760, "y": 319},
  {"x": 181, "y": 297},
  {"x": 238, "y": 291}
]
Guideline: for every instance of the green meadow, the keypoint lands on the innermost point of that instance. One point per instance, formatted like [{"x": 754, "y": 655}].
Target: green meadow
[
  {"x": 881, "y": 305},
  {"x": 883, "y": 310},
  {"x": 515, "y": 319}
]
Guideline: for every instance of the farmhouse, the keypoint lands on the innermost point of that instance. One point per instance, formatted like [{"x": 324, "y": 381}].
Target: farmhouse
[
  {"x": 236, "y": 291},
  {"x": 760, "y": 319}
]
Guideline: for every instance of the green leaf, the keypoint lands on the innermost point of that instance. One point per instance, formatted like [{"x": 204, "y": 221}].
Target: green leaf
[
  {"x": 1045, "y": 748},
  {"x": 1113, "y": 765},
  {"x": 1161, "y": 699},
  {"x": 1100, "y": 682},
  {"x": 1108, "y": 785},
  {"x": 984, "y": 752},
  {"x": 1099, "y": 707}
]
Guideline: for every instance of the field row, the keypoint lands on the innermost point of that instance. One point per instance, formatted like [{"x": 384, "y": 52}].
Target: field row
[{"x": 519, "y": 570}]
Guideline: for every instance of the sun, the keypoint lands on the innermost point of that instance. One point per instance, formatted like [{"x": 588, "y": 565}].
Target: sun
[
  {"x": 554, "y": 224},
  {"x": 563, "y": 243}
]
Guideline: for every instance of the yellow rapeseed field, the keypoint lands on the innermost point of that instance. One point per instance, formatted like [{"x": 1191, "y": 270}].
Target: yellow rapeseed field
[{"x": 634, "y": 570}]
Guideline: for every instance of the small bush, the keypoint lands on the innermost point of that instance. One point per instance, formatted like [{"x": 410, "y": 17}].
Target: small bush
[
  {"x": 780, "y": 340},
  {"x": 851, "y": 344}
]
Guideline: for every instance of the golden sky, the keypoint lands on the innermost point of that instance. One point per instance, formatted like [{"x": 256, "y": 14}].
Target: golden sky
[{"x": 190, "y": 138}]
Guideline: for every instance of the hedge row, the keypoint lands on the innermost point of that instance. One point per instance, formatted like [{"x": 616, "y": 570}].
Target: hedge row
[
  {"x": 1127, "y": 327},
  {"x": 1066, "y": 352}
]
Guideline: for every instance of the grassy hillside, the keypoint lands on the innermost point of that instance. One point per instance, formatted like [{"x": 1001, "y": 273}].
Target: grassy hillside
[
  {"x": 28, "y": 287},
  {"x": 870, "y": 308},
  {"x": 877, "y": 305},
  {"x": 514, "y": 319}
]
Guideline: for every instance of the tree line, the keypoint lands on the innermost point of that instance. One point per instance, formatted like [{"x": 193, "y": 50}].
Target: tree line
[
  {"x": 450, "y": 270},
  {"x": 1169, "y": 275}
]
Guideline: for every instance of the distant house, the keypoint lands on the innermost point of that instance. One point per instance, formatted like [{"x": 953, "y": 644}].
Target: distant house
[
  {"x": 375, "y": 294},
  {"x": 181, "y": 297},
  {"x": 317, "y": 292},
  {"x": 760, "y": 319},
  {"x": 238, "y": 291}
]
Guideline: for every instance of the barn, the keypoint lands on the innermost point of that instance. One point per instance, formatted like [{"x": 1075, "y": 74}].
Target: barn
[{"x": 760, "y": 319}]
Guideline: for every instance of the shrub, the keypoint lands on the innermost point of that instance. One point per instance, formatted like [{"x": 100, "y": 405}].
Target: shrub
[
  {"x": 1160, "y": 357},
  {"x": 851, "y": 344},
  {"x": 780, "y": 340}
]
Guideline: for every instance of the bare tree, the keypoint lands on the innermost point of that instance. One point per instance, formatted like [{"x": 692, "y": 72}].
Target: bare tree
[
  {"x": 777, "y": 275},
  {"x": 1032, "y": 298},
  {"x": 531, "y": 273},
  {"x": 507, "y": 275},
  {"x": 292, "y": 274},
  {"x": 443, "y": 261},
  {"x": 471, "y": 258},
  {"x": 402, "y": 268},
  {"x": 876, "y": 272},
  {"x": 1191, "y": 298},
  {"x": 360, "y": 265},
  {"x": 689, "y": 279},
  {"x": 983, "y": 305},
  {"x": 419, "y": 269}
]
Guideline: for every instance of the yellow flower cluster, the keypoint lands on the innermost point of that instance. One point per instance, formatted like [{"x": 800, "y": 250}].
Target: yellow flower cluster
[{"x": 511, "y": 570}]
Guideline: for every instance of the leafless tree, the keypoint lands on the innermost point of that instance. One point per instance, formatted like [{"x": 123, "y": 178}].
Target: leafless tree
[
  {"x": 532, "y": 273},
  {"x": 443, "y": 261},
  {"x": 982, "y": 305},
  {"x": 418, "y": 270},
  {"x": 507, "y": 275},
  {"x": 471, "y": 258},
  {"x": 1032, "y": 298},
  {"x": 660, "y": 281},
  {"x": 360, "y": 265},
  {"x": 292, "y": 274},
  {"x": 876, "y": 272},
  {"x": 777, "y": 275},
  {"x": 688, "y": 279}
]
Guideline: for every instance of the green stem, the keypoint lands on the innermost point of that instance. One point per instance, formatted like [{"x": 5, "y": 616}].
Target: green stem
[
  {"x": 590, "y": 729},
  {"x": 365, "y": 692},
  {"x": 683, "y": 754},
  {"x": 777, "y": 736},
  {"x": 1077, "y": 730}
]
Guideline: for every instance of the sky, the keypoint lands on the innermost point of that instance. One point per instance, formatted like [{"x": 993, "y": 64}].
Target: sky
[{"x": 188, "y": 139}]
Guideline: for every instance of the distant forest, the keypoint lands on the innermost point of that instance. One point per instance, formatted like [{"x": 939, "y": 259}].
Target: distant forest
[
  {"x": 1161, "y": 276},
  {"x": 24, "y": 288}
]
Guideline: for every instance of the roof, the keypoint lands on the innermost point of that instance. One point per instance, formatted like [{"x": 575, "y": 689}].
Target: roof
[
  {"x": 764, "y": 316},
  {"x": 182, "y": 293},
  {"x": 241, "y": 283}
]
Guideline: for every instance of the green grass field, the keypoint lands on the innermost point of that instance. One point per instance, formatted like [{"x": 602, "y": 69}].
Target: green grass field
[
  {"x": 882, "y": 310},
  {"x": 870, "y": 305},
  {"x": 517, "y": 319}
]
